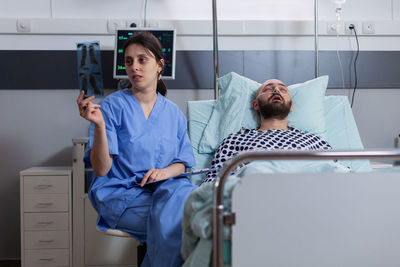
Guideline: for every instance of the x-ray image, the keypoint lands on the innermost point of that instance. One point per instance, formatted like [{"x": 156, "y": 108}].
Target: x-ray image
[{"x": 90, "y": 76}]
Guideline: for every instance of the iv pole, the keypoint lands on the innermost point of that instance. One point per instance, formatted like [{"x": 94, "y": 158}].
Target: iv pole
[
  {"x": 215, "y": 48},
  {"x": 316, "y": 56}
]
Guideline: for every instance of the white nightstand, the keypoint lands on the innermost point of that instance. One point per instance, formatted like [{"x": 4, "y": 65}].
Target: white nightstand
[{"x": 46, "y": 216}]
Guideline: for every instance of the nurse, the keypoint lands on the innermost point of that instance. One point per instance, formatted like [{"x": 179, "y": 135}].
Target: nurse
[{"x": 137, "y": 136}]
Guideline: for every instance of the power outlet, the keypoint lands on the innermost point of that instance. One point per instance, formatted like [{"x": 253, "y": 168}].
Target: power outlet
[
  {"x": 368, "y": 28},
  {"x": 23, "y": 25},
  {"x": 114, "y": 24},
  {"x": 152, "y": 24},
  {"x": 347, "y": 29},
  {"x": 334, "y": 28}
]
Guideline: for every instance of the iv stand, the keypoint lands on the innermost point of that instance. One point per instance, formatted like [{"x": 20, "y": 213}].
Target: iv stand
[
  {"x": 316, "y": 56},
  {"x": 215, "y": 48}
]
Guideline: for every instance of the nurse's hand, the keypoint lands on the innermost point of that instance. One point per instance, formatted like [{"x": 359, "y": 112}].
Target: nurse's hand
[
  {"x": 90, "y": 111},
  {"x": 153, "y": 175}
]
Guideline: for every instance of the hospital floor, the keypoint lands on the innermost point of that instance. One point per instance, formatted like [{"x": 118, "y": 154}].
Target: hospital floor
[{"x": 10, "y": 263}]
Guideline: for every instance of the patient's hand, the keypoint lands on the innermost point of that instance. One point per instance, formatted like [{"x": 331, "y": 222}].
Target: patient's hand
[
  {"x": 153, "y": 175},
  {"x": 89, "y": 110}
]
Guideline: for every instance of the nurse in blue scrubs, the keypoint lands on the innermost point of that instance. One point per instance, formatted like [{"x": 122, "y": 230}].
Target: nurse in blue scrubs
[{"x": 138, "y": 139}]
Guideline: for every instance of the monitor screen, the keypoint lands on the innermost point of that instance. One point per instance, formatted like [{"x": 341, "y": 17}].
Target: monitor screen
[{"x": 167, "y": 39}]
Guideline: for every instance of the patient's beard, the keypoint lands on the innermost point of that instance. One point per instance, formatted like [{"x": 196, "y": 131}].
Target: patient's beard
[{"x": 274, "y": 110}]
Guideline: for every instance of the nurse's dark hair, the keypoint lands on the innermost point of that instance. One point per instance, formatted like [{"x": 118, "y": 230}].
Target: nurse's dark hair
[{"x": 151, "y": 43}]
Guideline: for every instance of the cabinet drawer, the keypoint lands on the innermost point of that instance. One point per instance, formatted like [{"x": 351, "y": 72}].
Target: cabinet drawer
[
  {"x": 46, "y": 257},
  {"x": 45, "y": 221},
  {"x": 46, "y": 239},
  {"x": 45, "y": 184},
  {"x": 46, "y": 203}
]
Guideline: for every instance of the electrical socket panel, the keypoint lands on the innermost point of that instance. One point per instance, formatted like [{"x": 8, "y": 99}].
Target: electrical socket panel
[
  {"x": 334, "y": 27},
  {"x": 368, "y": 28},
  {"x": 347, "y": 29},
  {"x": 23, "y": 25},
  {"x": 114, "y": 24},
  {"x": 152, "y": 24}
]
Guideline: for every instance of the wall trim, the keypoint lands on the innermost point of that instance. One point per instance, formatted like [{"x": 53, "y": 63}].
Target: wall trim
[
  {"x": 57, "y": 69},
  {"x": 187, "y": 27}
]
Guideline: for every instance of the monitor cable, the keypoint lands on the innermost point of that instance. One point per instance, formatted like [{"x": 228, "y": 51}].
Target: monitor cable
[{"x": 351, "y": 27}]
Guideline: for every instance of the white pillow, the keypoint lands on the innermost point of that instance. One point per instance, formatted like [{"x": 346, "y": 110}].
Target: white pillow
[{"x": 233, "y": 109}]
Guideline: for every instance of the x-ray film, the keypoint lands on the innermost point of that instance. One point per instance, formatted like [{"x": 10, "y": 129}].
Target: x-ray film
[{"x": 90, "y": 76}]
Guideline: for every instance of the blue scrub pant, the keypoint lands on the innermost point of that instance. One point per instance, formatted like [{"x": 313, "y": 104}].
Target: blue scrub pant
[{"x": 154, "y": 217}]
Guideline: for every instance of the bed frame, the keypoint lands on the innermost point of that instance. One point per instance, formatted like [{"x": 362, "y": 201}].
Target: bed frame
[
  {"x": 378, "y": 198},
  {"x": 326, "y": 219}
]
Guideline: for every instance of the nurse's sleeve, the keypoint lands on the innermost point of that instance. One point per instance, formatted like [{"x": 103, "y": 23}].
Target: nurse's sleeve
[
  {"x": 112, "y": 120},
  {"x": 185, "y": 152}
]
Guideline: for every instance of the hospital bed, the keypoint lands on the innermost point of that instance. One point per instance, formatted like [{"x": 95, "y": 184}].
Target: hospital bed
[
  {"x": 303, "y": 219},
  {"x": 341, "y": 130}
]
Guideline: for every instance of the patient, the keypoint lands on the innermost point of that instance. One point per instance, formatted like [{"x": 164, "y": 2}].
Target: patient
[{"x": 272, "y": 103}]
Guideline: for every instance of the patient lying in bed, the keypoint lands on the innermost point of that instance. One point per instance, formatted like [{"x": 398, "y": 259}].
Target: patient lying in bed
[{"x": 272, "y": 103}]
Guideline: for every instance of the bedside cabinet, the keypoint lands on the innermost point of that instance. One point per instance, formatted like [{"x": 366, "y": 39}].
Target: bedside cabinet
[{"x": 46, "y": 216}]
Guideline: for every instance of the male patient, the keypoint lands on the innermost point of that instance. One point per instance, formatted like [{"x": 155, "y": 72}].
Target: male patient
[{"x": 273, "y": 104}]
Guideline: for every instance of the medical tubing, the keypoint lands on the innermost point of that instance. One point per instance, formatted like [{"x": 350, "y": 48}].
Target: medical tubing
[
  {"x": 145, "y": 14},
  {"x": 339, "y": 60},
  {"x": 275, "y": 92},
  {"x": 355, "y": 67},
  {"x": 51, "y": 9},
  {"x": 218, "y": 206}
]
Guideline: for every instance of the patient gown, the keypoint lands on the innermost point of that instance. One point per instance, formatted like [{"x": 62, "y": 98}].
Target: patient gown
[{"x": 151, "y": 213}]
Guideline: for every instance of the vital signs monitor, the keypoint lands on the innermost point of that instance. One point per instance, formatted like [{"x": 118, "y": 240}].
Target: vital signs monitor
[{"x": 167, "y": 38}]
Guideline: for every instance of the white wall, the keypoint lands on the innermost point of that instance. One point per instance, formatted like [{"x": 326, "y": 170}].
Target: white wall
[
  {"x": 376, "y": 114},
  {"x": 37, "y": 125},
  {"x": 198, "y": 10}
]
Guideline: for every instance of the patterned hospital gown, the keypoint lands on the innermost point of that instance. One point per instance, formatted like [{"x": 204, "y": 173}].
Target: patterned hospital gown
[{"x": 246, "y": 140}]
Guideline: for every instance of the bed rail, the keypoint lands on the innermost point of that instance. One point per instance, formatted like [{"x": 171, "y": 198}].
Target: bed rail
[{"x": 218, "y": 207}]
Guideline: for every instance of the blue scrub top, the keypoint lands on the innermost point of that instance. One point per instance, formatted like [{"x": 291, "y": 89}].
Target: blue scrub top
[{"x": 136, "y": 145}]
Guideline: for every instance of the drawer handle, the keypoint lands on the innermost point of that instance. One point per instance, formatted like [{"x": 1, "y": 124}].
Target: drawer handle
[
  {"x": 45, "y": 223},
  {"x": 44, "y": 204},
  {"x": 43, "y": 186},
  {"x": 46, "y": 259},
  {"x": 46, "y": 241}
]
